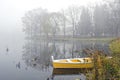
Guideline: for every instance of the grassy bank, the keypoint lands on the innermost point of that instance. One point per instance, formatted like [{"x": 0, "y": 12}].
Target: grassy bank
[{"x": 85, "y": 39}]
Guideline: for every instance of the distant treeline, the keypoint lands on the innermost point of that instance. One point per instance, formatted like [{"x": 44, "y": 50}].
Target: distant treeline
[{"x": 99, "y": 20}]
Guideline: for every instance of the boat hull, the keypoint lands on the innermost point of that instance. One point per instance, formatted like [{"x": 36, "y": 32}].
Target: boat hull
[{"x": 72, "y": 65}]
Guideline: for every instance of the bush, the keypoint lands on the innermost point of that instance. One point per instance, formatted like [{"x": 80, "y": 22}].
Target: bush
[
  {"x": 115, "y": 46},
  {"x": 109, "y": 68},
  {"x": 115, "y": 62}
]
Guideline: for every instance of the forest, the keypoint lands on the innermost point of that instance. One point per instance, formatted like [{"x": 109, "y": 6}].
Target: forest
[{"x": 99, "y": 20}]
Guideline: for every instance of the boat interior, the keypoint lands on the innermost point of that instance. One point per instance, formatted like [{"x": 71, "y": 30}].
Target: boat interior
[{"x": 77, "y": 60}]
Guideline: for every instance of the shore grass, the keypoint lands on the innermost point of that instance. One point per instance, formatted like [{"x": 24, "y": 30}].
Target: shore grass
[
  {"x": 104, "y": 39},
  {"x": 85, "y": 39}
]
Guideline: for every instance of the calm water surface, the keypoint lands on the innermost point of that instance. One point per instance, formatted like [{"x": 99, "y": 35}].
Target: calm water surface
[{"x": 31, "y": 59}]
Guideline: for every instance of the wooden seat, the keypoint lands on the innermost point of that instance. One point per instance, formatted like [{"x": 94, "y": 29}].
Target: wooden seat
[{"x": 68, "y": 60}]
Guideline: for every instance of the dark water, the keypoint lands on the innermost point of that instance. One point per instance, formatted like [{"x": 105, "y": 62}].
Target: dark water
[{"x": 31, "y": 59}]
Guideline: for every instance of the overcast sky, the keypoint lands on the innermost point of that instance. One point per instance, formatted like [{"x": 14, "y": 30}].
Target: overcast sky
[{"x": 11, "y": 11}]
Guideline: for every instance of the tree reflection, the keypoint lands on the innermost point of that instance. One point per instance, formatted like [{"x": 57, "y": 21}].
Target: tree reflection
[
  {"x": 37, "y": 53},
  {"x": 18, "y": 65}
]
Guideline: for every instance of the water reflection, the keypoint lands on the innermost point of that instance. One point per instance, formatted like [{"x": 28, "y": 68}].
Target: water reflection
[
  {"x": 78, "y": 73},
  {"x": 7, "y": 50},
  {"x": 68, "y": 71},
  {"x": 18, "y": 65},
  {"x": 37, "y": 53}
]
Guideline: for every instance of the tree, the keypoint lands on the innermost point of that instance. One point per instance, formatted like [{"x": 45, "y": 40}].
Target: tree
[
  {"x": 84, "y": 26},
  {"x": 46, "y": 24},
  {"x": 64, "y": 22},
  {"x": 116, "y": 16},
  {"x": 29, "y": 23},
  {"x": 55, "y": 20},
  {"x": 37, "y": 22},
  {"x": 74, "y": 18},
  {"x": 101, "y": 20}
]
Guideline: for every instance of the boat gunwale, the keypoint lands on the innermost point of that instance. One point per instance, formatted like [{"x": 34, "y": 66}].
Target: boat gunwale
[
  {"x": 73, "y": 62},
  {"x": 58, "y": 61}
]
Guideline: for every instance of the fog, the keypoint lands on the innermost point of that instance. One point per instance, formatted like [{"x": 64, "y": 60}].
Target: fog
[
  {"x": 31, "y": 31},
  {"x": 11, "y": 12}
]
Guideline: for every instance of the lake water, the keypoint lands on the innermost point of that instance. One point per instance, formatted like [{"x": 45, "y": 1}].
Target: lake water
[{"x": 31, "y": 59}]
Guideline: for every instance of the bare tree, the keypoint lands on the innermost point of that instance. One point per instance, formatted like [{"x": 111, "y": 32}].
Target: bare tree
[
  {"x": 64, "y": 21},
  {"x": 73, "y": 17},
  {"x": 55, "y": 20},
  {"x": 37, "y": 22}
]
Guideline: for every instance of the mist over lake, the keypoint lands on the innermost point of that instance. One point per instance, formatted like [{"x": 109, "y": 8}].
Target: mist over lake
[{"x": 33, "y": 31}]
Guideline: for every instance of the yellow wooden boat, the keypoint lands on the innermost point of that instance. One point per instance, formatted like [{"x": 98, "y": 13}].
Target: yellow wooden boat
[{"x": 73, "y": 63}]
